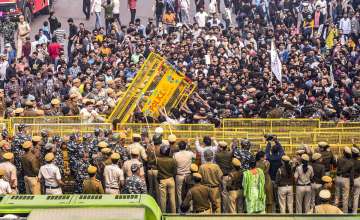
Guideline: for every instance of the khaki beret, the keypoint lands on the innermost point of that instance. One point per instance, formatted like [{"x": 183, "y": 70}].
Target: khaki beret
[
  {"x": 2, "y": 172},
  {"x": 323, "y": 144},
  {"x": 19, "y": 110},
  {"x": 36, "y": 138},
  {"x": 91, "y": 170},
  {"x": 136, "y": 135},
  {"x": 49, "y": 157},
  {"x": 102, "y": 144},
  {"x": 236, "y": 162},
  {"x": 316, "y": 156},
  {"x": 172, "y": 138},
  {"x": 105, "y": 150},
  {"x": 325, "y": 194},
  {"x": 326, "y": 179},
  {"x": 285, "y": 158},
  {"x": 115, "y": 156},
  {"x": 27, "y": 144},
  {"x": 222, "y": 144},
  {"x": 197, "y": 175},
  {"x": 55, "y": 101},
  {"x": 8, "y": 156},
  {"x": 194, "y": 167},
  {"x": 305, "y": 157},
  {"x": 347, "y": 150}
]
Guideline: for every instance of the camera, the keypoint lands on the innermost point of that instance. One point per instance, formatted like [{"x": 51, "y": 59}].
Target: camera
[{"x": 269, "y": 137}]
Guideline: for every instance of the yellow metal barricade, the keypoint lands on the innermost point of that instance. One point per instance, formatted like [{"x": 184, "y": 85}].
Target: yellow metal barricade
[
  {"x": 64, "y": 129},
  {"x": 271, "y": 125}
]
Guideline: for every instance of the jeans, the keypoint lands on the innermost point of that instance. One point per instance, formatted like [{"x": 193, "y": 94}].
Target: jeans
[{"x": 97, "y": 21}]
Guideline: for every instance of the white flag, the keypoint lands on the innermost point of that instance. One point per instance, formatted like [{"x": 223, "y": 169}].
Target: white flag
[{"x": 275, "y": 62}]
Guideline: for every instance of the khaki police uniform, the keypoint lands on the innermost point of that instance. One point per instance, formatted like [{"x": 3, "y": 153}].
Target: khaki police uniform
[
  {"x": 31, "y": 166},
  {"x": 92, "y": 185}
]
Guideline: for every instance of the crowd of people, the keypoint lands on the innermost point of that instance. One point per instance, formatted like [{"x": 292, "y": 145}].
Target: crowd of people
[
  {"x": 207, "y": 177},
  {"x": 70, "y": 70}
]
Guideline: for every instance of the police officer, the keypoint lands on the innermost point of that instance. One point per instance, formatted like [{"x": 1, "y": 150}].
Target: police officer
[
  {"x": 4, "y": 185},
  {"x": 223, "y": 158},
  {"x": 134, "y": 184},
  {"x": 342, "y": 181},
  {"x": 8, "y": 29},
  {"x": 50, "y": 173},
  {"x": 325, "y": 207},
  {"x": 117, "y": 147},
  {"x": 172, "y": 141},
  {"x": 303, "y": 175},
  {"x": 153, "y": 152},
  {"x": 81, "y": 173},
  {"x": 16, "y": 148},
  {"x": 113, "y": 176},
  {"x": 136, "y": 145},
  {"x": 327, "y": 156},
  {"x": 73, "y": 147},
  {"x": 10, "y": 171},
  {"x": 135, "y": 158},
  {"x": 200, "y": 196},
  {"x": 284, "y": 181},
  {"x": 92, "y": 185},
  {"x": 31, "y": 166},
  {"x": 167, "y": 170},
  {"x": 211, "y": 177},
  {"x": 356, "y": 179},
  {"x": 243, "y": 154},
  {"x": 36, "y": 149},
  {"x": 189, "y": 181},
  {"x": 319, "y": 172},
  {"x": 59, "y": 154},
  {"x": 234, "y": 187}
]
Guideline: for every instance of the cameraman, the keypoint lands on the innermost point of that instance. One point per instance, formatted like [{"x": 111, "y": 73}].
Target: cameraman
[{"x": 274, "y": 151}]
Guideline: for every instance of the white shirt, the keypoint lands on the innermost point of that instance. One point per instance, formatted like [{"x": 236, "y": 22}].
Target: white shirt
[
  {"x": 184, "y": 4},
  {"x": 116, "y": 9},
  {"x": 200, "y": 18},
  {"x": 4, "y": 187},
  {"x": 201, "y": 150},
  {"x": 183, "y": 161},
  {"x": 43, "y": 39},
  {"x": 10, "y": 172},
  {"x": 33, "y": 46},
  {"x": 3, "y": 66},
  {"x": 113, "y": 175},
  {"x": 96, "y": 6},
  {"x": 345, "y": 25},
  {"x": 51, "y": 174}
]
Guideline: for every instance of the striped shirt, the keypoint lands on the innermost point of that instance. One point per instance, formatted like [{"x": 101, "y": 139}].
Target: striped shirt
[{"x": 60, "y": 36}]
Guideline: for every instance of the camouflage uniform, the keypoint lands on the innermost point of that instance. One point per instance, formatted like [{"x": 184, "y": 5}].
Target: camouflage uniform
[
  {"x": 59, "y": 156},
  {"x": 245, "y": 156},
  {"x": 8, "y": 29},
  {"x": 18, "y": 151},
  {"x": 134, "y": 185},
  {"x": 117, "y": 148},
  {"x": 73, "y": 151},
  {"x": 81, "y": 174}
]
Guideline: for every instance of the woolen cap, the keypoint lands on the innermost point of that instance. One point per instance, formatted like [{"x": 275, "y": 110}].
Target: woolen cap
[
  {"x": 36, "y": 138},
  {"x": 115, "y": 156},
  {"x": 102, "y": 144}
]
